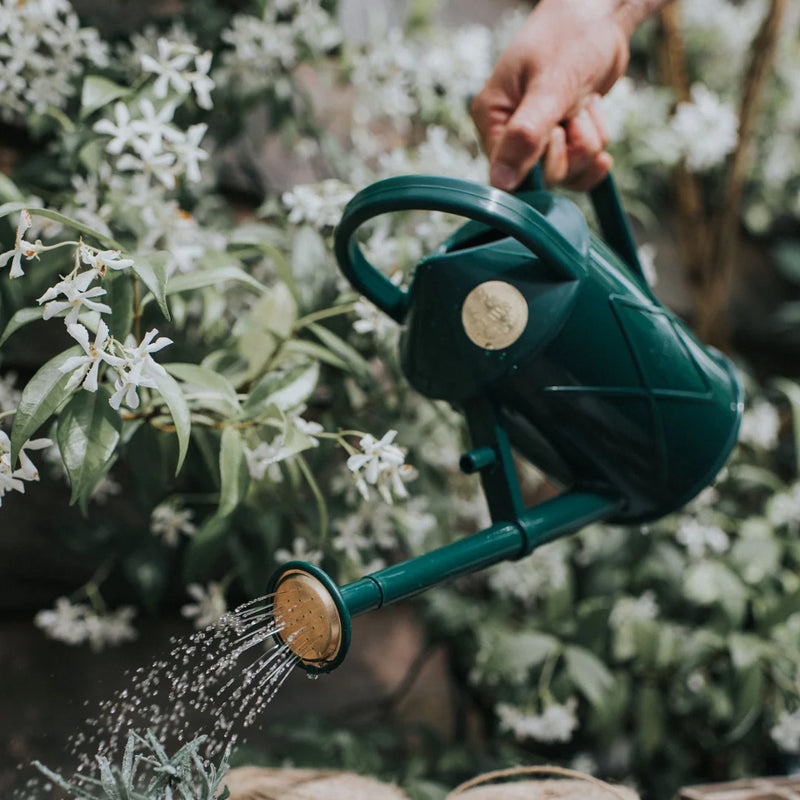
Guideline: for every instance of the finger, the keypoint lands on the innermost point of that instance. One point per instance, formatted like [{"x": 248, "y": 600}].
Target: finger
[
  {"x": 555, "y": 164},
  {"x": 592, "y": 174},
  {"x": 595, "y": 108},
  {"x": 583, "y": 142},
  {"x": 525, "y": 137}
]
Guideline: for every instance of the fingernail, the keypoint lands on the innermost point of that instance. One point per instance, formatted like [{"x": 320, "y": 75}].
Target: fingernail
[{"x": 503, "y": 176}]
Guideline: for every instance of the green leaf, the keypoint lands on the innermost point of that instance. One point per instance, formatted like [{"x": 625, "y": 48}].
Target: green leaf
[
  {"x": 205, "y": 549},
  {"x": 749, "y": 701},
  {"x": 211, "y": 277},
  {"x": 217, "y": 386},
  {"x": 356, "y": 363},
  {"x": 148, "y": 571},
  {"x": 105, "y": 241},
  {"x": 792, "y": 392},
  {"x": 711, "y": 582},
  {"x": 42, "y": 395},
  {"x": 176, "y": 403},
  {"x": 9, "y": 190},
  {"x": 650, "y": 718},
  {"x": 88, "y": 434},
  {"x": 276, "y": 311},
  {"x": 152, "y": 271},
  {"x": 589, "y": 674},
  {"x": 18, "y": 320},
  {"x": 285, "y": 390},
  {"x": 120, "y": 298},
  {"x": 510, "y": 655},
  {"x": 97, "y": 92},
  {"x": 313, "y": 349},
  {"x": 234, "y": 476}
]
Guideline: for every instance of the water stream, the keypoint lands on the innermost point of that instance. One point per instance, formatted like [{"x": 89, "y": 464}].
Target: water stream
[{"x": 215, "y": 682}]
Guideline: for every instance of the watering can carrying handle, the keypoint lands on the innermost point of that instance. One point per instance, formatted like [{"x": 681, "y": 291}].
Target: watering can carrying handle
[{"x": 493, "y": 207}]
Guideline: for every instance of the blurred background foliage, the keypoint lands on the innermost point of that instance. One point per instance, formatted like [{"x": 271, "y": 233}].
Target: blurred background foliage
[{"x": 662, "y": 655}]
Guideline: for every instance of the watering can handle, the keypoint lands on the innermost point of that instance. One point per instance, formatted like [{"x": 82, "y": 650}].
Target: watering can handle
[
  {"x": 493, "y": 207},
  {"x": 610, "y": 216}
]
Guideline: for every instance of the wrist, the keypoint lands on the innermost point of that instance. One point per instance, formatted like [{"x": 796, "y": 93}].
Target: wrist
[{"x": 631, "y": 13}]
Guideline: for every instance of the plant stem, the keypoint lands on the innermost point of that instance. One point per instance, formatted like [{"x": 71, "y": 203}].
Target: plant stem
[
  {"x": 726, "y": 227},
  {"x": 325, "y": 313},
  {"x": 137, "y": 311}
]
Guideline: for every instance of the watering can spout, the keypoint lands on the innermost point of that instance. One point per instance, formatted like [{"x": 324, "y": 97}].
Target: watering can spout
[{"x": 314, "y": 614}]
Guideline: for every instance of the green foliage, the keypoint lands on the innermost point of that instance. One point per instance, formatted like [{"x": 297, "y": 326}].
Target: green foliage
[
  {"x": 666, "y": 654},
  {"x": 148, "y": 772}
]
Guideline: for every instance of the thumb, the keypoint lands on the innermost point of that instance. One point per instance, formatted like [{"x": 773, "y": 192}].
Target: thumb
[{"x": 525, "y": 137}]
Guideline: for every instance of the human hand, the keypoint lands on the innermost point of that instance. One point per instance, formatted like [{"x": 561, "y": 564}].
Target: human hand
[{"x": 543, "y": 97}]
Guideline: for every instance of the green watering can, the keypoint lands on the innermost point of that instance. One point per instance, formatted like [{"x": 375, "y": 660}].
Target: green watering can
[{"x": 549, "y": 340}]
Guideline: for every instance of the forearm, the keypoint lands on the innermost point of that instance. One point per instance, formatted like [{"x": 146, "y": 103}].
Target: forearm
[
  {"x": 628, "y": 14},
  {"x": 631, "y": 13}
]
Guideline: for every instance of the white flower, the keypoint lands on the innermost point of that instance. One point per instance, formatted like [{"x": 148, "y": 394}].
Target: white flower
[
  {"x": 155, "y": 126},
  {"x": 189, "y": 153},
  {"x": 85, "y": 368},
  {"x": 102, "y": 260},
  {"x": 12, "y": 479},
  {"x": 138, "y": 369},
  {"x": 700, "y": 539},
  {"x": 170, "y": 66},
  {"x": 76, "y": 623},
  {"x": 168, "y": 521},
  {"x": 786, "y": 732},
  {"x": 555, "y": 724},
  {"x": 158, "y": 165},
  {"x": 309, "y": 427},
  {"x": 21, "y": 247},
  {"x": 122, "y": 132},
  {"x": 760, "y": 426},
  {"x": 531, "y": 578},
  {"x": 372, "y": 320},
  {"x": 27, "y": 471},
  {"x": 9, "y": 394},
  {"x": 110, "y": 629},
  {"x": 380, "y": 464},
  {"x": 79, "y": 296},
  {"x": 629, "y": 609},
  {"x": 64, "y": 623},
  {"x": 105, "y": 488},
  {"x": 209, "y": 606},
  {"x": 263, "y": 460},
  {"x": 783, "y": 508},
  {"x": 705, "y": 128},
  {"x": 299, "y": 552},
  {"x": 350, "y": 538},
  {"x": 202, "y": 84},
  {"x": 319, "y": 204}
]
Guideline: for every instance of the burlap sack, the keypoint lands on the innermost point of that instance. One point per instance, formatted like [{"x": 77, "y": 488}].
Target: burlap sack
[
  {"x": 572, "y": 786},
  {"x": 257, "y": 783}
]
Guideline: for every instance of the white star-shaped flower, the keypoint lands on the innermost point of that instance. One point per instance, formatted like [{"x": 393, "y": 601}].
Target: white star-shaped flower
[
  {"x": 21, "y": 247},
  {"x": 77, "y": 296},
  {"x": 86, "y": 368}
]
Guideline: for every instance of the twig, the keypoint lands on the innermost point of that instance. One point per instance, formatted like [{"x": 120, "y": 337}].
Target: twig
[
  {"x": 691, "y": 217},
  {"x": 725, "y": 230}
]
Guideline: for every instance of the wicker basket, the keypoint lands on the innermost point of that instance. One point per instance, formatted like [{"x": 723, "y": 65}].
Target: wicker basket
[
  {"x": 561, "y": 784},
  {"x": 257, "y": 783}
]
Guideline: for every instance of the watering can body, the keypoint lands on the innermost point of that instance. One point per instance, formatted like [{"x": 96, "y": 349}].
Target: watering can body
[
  {"x": 547, "y": 337},
  {"x": 600, "y": 386}
]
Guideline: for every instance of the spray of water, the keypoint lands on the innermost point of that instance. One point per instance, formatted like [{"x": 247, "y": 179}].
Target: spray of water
[{"x": 217, "y": 682}]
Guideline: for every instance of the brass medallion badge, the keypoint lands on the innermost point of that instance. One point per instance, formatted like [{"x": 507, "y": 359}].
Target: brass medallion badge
[{"x": 494, "y": 315}]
